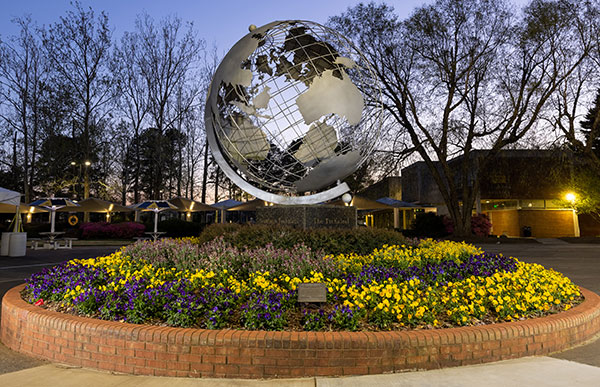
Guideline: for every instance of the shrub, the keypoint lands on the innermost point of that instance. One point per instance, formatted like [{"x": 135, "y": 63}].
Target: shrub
[
  {"x": 428, "y": 225},
  {"x": 480, "y": 225},
  {"x": 329, "y": 241},
  {"x": 177, "y": 228},
  {"x": 165, "y": 253},
  {"x": 300, "y": 260},
  {"x": 100, "y": 230}
]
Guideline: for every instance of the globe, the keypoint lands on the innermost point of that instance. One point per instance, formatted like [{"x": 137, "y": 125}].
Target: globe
[{"x": 286, "y": 114}]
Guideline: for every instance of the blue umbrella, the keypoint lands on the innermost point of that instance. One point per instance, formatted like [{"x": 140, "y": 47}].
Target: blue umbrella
[
  {"x": 53, "y": 204},
  {"x": 155, "y": 206}
]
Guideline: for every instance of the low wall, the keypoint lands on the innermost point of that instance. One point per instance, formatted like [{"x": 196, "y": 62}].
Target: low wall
[{"x": 152, "y": 350}]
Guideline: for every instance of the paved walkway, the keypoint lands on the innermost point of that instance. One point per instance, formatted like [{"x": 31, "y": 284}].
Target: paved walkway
[
  {"x": 577, "y": 367},
  {"x": 532, "y": 371}
]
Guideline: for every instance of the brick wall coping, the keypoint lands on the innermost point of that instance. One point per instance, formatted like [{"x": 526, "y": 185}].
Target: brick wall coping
[{"x": 165, "y": 351}]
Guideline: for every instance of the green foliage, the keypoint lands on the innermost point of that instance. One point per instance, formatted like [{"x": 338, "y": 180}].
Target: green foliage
[
  {"x": 330, "y": 241},
  {"x": 587, "y": 191},
  {"x": 587, "y": 126}
]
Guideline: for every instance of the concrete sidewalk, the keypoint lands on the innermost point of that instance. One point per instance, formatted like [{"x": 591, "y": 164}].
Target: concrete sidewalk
[{"x": 531, "y": 371}]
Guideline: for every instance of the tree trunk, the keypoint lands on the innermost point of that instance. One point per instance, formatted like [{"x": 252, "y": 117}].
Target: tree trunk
[
  {"x": 217, "y": 174},
  {"x": 205, "y": 173}
]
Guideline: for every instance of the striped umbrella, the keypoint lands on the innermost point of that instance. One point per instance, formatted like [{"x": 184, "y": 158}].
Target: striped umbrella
[
  {"x": 155, "y": 206},
  {"x": 53, "y": 204}
]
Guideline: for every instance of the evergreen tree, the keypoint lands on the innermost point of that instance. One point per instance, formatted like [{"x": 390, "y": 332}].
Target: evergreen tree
[{"x": 587, "y": 126}]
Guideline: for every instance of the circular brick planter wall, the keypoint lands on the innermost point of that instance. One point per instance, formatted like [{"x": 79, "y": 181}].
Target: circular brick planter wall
[{"x": 152, "y": 350}]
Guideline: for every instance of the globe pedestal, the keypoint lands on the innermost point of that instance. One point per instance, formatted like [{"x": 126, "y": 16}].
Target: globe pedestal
[{"x": 308, "y": 216}]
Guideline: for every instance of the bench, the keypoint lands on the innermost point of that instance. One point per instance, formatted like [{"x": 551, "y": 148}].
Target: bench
[
  {"x": 34, "y": 243},
  {"x": 142, "y": 238},
  {"x": 64, "y": 243},
  {"x": 59, "y": 243}
]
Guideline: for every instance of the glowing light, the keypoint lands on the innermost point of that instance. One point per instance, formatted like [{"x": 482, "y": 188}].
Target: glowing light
[{"x": 570, "y": 197}]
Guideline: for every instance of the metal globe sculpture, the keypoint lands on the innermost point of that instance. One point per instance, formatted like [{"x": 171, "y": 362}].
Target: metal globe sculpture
[{"x": 286, "y": 115}]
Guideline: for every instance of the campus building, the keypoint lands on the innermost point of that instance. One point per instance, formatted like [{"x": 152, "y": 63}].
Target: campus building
[{"x": 521, "y": 191}]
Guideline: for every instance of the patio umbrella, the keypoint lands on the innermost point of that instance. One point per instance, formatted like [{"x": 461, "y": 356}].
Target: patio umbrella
[
  {"x": 97, "y": 205},
  {"x": 155, "y": 206},
  {"x": 23, "y": 209},
  {"x": 189, "y": 205},
  {"x": 14, "y": 199},
  {"x": 53, "y": 204}
]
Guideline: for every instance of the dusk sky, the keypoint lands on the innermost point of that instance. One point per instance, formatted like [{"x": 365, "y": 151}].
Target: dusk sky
[{"x": 221, "y": 21}]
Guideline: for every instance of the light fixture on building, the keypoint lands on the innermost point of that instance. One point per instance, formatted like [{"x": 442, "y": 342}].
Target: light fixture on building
[
  {"x": 570, "y": 197},
  {"x": 347, "y": 198}
]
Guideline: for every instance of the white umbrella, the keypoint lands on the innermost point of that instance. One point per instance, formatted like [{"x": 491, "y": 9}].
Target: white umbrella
[{"x": 13, "y": 198}]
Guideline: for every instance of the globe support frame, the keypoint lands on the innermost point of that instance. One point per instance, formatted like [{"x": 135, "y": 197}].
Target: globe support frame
[{"x": 319, "y": 197}]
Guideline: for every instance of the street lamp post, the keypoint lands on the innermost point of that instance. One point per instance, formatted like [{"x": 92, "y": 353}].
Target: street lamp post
[
  {"x": 86, "y": 180},
  {"x": 83, "y": 167},
  {"x": 74, "y": 164},
  {"x": 86, "y": 187}
]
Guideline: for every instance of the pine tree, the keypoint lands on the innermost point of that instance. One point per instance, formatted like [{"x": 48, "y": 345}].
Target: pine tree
[{"x": 587, "y": 125}]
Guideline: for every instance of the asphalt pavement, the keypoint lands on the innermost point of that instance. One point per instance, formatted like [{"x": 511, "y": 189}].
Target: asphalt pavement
[{"x": 578, "y": 366}]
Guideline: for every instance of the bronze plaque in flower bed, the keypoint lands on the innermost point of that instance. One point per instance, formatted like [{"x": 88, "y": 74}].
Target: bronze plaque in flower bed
[
  {"x": 315, "y": 292},
  {"x": 308, "y": 217}
]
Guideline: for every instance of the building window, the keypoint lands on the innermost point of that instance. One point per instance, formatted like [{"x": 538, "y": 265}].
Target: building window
[
  {"x": 531, "y": 204},
  {"x": 494, "y": 204}
]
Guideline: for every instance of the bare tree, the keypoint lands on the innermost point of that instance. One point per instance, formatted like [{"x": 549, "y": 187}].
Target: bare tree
[
  {"x": 165, "y": 59},
  {"x": 78, "y": 49},
  {"x": 578, "y": 93},
  {"x": 461, "y": 75},
  {"x": 21, "y": 75},
  {"x": 132, "y": 100}
]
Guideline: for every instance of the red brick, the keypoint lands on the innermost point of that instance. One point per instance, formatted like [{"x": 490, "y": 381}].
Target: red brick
[
  {"x": 164, "y": 372},
  {"x": 160, "y": 364},
  {"x": 201, "y": 368},
  {"x": 239, "y": 360},
  {"x": 264, "y": 360},
  {"x": 135, "y": 361},
  {"x": 214, "y": 359}
]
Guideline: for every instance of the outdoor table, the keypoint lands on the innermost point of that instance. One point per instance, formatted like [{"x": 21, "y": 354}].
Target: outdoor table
[
  {"x": 52, "y": 237},
  {"x": 155, "y": 235}
]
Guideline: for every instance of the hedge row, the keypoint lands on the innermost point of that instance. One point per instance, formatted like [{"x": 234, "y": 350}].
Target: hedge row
[{"x": 331, "y": 241}]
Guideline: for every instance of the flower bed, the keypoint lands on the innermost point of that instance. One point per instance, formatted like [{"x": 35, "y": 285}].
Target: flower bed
[{"x": 178, "y": 283}]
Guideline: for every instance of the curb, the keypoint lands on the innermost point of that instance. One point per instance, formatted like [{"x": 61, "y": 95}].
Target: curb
[{"x": 165, "y": 351}]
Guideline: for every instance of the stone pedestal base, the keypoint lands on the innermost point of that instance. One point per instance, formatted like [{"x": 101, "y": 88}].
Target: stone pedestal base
[{"x": 307, "y": 217}]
